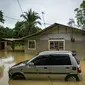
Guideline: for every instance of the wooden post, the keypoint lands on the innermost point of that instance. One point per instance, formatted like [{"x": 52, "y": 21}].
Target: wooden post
[{"x": 5, "y": 45}]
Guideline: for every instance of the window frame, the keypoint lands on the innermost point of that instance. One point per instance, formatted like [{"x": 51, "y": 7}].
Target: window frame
[
  {"x": 54, "y": 41},
  {"x": 34, "y": 43}
]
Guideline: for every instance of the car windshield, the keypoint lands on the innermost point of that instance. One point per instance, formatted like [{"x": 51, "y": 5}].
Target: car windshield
[{"x": 23, "y": 62}]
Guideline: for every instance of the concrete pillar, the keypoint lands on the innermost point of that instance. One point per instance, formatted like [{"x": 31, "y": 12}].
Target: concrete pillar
[
  {"x": 0, "y": 45},
  {"x": 5, "y": 45}
]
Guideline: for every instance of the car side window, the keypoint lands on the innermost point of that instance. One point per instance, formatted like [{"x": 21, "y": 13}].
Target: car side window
[
  {"x": 41, "y": 60},
  {"x": 60, "y": 59}
]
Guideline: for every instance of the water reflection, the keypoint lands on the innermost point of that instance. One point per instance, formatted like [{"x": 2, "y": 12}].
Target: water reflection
[
  {"x": 1, "y": 68},
  {"x": 8, "y": 62},
  {"x": 5, "y": 64},
  {"x": 29, "y": 82},
  {"x": 8, "y": 59},
  {"x": 42, "y": 82}
]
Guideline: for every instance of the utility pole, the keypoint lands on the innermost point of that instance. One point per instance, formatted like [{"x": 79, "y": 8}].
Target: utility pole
[{"x": 43, "y": 18}]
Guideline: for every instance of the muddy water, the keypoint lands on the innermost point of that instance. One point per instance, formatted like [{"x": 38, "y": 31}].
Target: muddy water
[{"x": 7, "y": 59}]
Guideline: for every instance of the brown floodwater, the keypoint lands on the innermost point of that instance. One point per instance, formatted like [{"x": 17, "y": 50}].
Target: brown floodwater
[{"x": 7, "y": 59}]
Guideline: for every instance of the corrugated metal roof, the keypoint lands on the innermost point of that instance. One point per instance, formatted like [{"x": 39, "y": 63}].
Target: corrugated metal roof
[
  {"x": 47, "y": 28},
  {"x": 12, "y": 39}
]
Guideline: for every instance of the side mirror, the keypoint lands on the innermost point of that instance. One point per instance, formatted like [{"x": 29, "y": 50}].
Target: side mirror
[{"x": 31, "y": 64}]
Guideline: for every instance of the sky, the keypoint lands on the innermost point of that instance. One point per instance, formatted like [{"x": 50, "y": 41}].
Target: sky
[{"x": 55, "y": 11}]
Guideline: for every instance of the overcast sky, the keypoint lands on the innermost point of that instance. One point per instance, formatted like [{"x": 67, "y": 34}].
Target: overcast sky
[{"x": 58, "y": 11}]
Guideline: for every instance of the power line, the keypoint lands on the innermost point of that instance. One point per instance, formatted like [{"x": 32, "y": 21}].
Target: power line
[
  {"x": 15, "y": 18},
  {"x": 19, "y": 19},
  {"x": 20, "y": 6},
  {"x": 12, "y": 18}
]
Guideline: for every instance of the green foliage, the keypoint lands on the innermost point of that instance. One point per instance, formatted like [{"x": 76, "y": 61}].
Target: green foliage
[
  {"x": 71, "y": 22},
  {"x": 1, "y": 17},
  {"x": 18, "y": 29},
  {"x": 6, "y": 32},
  {"x": 22, "y": 28},
  {"x": 30, "y": 22},
  {"x": 80, "y": 15}
]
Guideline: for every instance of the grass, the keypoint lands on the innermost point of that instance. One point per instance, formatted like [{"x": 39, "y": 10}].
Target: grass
[{"x": 17, "y": 48}]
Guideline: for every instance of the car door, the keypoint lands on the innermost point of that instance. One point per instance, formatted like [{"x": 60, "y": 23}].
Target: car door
[
  {"x": 42, "y": 65},
  {"x": 30, "y": 71},
  {"x": 60, "y": 66}
]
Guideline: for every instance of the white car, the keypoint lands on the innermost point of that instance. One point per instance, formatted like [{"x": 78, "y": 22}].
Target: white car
[{"x": 48, "y": 64}]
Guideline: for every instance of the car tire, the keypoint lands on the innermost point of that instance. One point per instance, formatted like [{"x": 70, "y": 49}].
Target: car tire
[
  {"x": 18, "y": 77},
  {"x": 72, "y": 78}
]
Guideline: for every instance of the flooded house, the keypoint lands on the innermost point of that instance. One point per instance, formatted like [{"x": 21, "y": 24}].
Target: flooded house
[
  {"x": 2, "y": 45},
  {"x": 56, "y": 37}
]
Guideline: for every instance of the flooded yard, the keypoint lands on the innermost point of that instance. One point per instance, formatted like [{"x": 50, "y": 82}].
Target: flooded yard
[{"x": 7, "y": 59}]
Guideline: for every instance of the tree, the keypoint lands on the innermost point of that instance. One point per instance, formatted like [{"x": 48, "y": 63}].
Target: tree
[
  {"x": 6, "y": 32},
  {"x": 80, "y": 15},
  {"x": 18, "y": 29},
  {"x": 30, "y": 22},
  {"x": 71, "y": 22},
  {"x": 1, "y": 17}
]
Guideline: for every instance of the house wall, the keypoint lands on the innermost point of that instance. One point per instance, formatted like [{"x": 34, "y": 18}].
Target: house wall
[
  {"x": 78, "y": 46},
  {"x": 41, "y": 45},
  {"x": 59, "y": 32}
]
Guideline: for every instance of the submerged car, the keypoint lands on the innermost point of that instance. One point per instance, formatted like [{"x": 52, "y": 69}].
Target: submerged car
[{"x": 48, "y": 64}]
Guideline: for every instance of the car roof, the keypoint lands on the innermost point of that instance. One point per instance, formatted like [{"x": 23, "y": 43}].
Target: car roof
[{"x": 55, "y": 52}]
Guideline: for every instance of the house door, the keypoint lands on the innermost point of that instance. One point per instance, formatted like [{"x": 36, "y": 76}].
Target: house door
[
  {"x": 57, "y": 44},
  {"x": 2, "y": 45}
]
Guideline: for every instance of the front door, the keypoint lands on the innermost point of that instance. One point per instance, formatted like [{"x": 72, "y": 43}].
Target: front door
[
  {"x": 30, "y": 72},
  {"x": 41, "y": 63}
]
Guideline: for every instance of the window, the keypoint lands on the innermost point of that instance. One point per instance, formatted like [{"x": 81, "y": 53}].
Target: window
[
  {"x": 77, "y": 60},
  {"x": 56, "y": 44},
  {"x": 41, "y": 60},
  {"x": 31, "y": 44},
  {"x": 60, "y": 59},
  {"x": 52, "y": 60}
]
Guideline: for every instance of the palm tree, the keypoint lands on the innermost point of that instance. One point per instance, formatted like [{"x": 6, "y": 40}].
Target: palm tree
[
  {"x": 71, "y": 22},
  {"x": 30, "y": 21},
  {"x": 1, "y": 17}
]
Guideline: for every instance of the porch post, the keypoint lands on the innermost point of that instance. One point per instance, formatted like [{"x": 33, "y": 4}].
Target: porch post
[{"x": 5, "y": 45}]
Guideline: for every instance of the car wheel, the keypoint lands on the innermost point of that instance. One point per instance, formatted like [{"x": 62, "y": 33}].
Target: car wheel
[
  {"x": 72, "y": 78},
  {"x": 18, "y": 77}
]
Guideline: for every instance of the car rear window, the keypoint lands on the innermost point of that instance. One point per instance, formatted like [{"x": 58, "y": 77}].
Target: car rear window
[
  {"x": 75, "y": 56},
  {"x": 60, "y": 59},
  {"x": 77, "y": 60}
]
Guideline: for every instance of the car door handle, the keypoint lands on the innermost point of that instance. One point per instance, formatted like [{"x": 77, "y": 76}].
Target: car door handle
[
  {"x": 45, "y": 67},
  {"x": 67, "y": 67}
]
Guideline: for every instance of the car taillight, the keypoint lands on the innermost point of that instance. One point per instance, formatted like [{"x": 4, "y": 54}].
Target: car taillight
[{"x": 79, "y": 70}]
